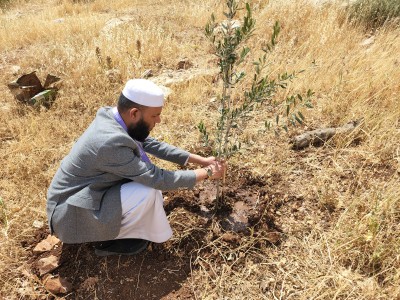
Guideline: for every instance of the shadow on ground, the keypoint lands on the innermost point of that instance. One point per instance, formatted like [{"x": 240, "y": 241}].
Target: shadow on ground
[{"x": 152, "y": 274}]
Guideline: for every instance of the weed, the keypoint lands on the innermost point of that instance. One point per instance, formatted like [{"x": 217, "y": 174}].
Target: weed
[
  {"x": 3, "y": 215},
  {"x": 374, "y": 13}
]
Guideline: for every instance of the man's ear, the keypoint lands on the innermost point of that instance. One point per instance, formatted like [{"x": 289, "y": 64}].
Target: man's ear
[{"x": 134, "y": 114}]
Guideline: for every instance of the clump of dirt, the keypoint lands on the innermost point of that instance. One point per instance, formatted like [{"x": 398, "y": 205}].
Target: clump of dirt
[{"x": 162, "y": 272}]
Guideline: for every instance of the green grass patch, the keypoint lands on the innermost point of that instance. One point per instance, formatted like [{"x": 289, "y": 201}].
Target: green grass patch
[
  {"x": 3, "y": 213},
  {"x": 374, "y": 13}
]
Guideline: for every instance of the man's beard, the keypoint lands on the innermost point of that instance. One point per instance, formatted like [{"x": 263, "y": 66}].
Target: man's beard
[{"x": 139, "y": 131}]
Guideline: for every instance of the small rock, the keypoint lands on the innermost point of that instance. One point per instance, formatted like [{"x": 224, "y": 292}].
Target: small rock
[
  {"x": 46, "y": 245},
  {"x": 60, "y": 20},
  {"x": 15, "y": 70},
  {"x": 37, "y": 224},
  {"x": 113, "y": 23},
  {"x": 367, "y": 42},
  {"x": 205, "y": 212},
  {"x": 231, "y": 257},
  {"x": 48, "y": 264},
  {"x": 57, "y": 285},
  {"x": 204, "y": 209}
]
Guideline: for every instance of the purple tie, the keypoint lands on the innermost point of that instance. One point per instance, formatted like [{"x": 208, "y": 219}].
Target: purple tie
[{"x": 118, "y": 118}]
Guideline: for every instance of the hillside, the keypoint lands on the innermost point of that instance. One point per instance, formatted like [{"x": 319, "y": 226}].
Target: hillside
[{"x": 323, "y": 222}]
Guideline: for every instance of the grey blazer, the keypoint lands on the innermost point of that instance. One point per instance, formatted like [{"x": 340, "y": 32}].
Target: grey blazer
[{"x": 83, "y": 200}]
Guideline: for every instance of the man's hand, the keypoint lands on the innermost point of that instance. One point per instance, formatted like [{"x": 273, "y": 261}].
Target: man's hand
[
  {"x": 208, "y": 161},
  {"x": 216, "y": 170},
  {"x": 200, "y": 160},
  {"x": 213, "y": 171}
]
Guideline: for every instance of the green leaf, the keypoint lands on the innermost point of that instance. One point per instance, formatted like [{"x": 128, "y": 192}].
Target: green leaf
[
  {"x": 309, "y": 105},
  {"x": 200, "y": 126},
  {"x": 248, "y": 9},
  {"x": 298, "y": 119}
]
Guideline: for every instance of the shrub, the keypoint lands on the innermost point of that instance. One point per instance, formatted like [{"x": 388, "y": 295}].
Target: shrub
[{"x": 374, "y": 13}]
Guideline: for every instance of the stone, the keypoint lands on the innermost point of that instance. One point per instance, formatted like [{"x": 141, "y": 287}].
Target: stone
[
  {"x": 46, "y": 245},
  {"x": 37, "y": 224},
  {"x": 15, "y": 70},
  {"x": 113, "y": 23},
  {"x": 368, "y": 42},
  {"x": 57, "y": 285},
  {"x": 48, "y": 264}
]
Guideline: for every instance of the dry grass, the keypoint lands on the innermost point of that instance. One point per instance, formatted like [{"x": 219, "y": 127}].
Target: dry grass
[{"x": 353, "y": 255}]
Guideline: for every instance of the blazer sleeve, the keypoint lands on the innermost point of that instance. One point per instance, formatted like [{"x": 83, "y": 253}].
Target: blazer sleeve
[
  {"x": 165, "y": 151},
  {"x": 122, "y": 160}
]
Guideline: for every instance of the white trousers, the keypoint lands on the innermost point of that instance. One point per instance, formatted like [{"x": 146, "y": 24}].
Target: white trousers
[{"x": 143, "y": 215}]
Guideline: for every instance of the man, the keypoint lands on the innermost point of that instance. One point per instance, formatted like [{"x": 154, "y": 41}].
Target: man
[{"x": 106, "y": 189}]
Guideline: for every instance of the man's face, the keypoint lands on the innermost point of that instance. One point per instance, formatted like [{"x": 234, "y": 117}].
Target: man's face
[{"x": 144, "y": 121}]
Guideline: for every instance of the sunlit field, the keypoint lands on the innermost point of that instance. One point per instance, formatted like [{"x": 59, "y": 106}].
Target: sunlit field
[{"x": 346, "y": 245}]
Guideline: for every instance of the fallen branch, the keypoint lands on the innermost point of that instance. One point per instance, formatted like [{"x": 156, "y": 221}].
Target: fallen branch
[{"x": 319, "y": 137}]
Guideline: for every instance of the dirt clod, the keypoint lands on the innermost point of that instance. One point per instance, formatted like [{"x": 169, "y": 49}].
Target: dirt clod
[
  {"x": 47, "y": 244},
  {"x": 48, "y": 264},
  {"x": 57, "y": 285}
]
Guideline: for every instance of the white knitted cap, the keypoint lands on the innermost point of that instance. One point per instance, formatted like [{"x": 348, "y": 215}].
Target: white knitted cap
[{"x": 144, "y": 92}]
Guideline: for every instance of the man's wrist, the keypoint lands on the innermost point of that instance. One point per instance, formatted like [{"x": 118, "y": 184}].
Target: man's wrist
[{"x": 209, "y": 172}]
